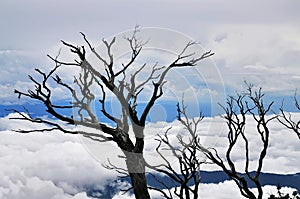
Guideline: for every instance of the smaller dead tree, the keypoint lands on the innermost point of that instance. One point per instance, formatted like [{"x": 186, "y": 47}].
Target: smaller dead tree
[
  {"x": 184, "y": 170},
  {"x": 237, "y": 112},
  {"x": 288, "y": 121}
]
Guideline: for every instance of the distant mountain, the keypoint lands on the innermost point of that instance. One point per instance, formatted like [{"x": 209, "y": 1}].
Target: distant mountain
[
  {"x": 290, "y": 180},
  {"x": 162, "y": 111}
]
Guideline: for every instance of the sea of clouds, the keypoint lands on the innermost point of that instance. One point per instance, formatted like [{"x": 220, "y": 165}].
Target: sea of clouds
[{"x": 57, "y": 165}]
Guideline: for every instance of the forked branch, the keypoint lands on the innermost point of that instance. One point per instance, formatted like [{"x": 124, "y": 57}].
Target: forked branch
[
  {"x": 237, "y": 112},
  {"x": 186, "y": 171},
  {"x": 288, "y": 121}
]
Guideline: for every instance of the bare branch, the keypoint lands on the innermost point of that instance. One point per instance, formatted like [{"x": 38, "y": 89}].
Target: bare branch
[
  {"x": 186, "y": 156},
  {"x": 288, "y": 121},
  {"x": 109, "y": 81},
  {"x": 123, "y": 172},
  {"x": 236, "y": 112},
  {"x": 157, "y": 87},
  {"x": 54, "y": 126}
]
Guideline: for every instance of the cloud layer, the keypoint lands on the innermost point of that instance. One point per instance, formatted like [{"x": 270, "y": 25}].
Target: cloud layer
[
  {"x": 46, "y": 165},
  {"x": 55, "y": 165}
]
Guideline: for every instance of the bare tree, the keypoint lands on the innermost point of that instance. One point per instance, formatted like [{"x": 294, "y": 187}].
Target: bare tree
[
  {"x": 186, "y": 178},
  {"x": 287, "y": 120},
  {"x": 238, "y": 108},
  {"x": 117, "y": 81}
]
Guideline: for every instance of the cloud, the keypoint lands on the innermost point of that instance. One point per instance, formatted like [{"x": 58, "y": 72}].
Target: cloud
[
  {"x": 67, "y": 164},
  {"x": 224, "y": 190},
  {"x": 46, "y": 165},
  {"x": 35, "y": 188},
  {"x": 17, "y": 65},
  {"x": 202, "y": 80},
  {"x": 266, "y": 55},
  {"x": 283, "y": 147},
  {"x": 228, "y": 190},
  {"x": 239, "y": 37},
  {"x": 15, "y": 62},
  {"x": 49, "y": 22}
]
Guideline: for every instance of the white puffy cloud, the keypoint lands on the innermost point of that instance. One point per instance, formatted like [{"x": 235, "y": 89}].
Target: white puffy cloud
[
  {"x": 46, "y": 165},
  {"x": 224, "y": 190},
  {"x": 63, "y": 165},
  {"x": 283, "y": 148},
  {"x": 34, "y": 187},
  {"x": 228, "y": 190}
]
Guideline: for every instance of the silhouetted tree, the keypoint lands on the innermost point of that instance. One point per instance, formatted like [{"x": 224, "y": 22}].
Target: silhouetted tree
[
  {"x": 288, "y": 121},
  {"x": 184, "y": 170},
  {"x": 110, "y": 79},
  {"x": 236, "y": 111}
]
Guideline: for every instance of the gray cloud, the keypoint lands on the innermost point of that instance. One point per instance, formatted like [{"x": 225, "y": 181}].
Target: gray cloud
[
  {"x": 34, "y": 24},
  {"x": 254, "y": 41}
]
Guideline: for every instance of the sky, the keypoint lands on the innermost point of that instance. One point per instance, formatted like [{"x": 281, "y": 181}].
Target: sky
[
  {"x": 256, "y": 41},
  {"x": 252, "y": 40}
]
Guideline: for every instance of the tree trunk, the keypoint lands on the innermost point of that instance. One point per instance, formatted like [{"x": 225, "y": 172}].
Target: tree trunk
[
  {"x": 139, "y": 183},
  {"x": 136, "y": 169}
]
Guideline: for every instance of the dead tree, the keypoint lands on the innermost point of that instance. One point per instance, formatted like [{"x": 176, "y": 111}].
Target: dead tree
[
  {"x": 238, "y": 109},
  {"x": 186, "y": 178},
  {"x": 287, "y": 120},
  {"x": 117, "y": 81}
]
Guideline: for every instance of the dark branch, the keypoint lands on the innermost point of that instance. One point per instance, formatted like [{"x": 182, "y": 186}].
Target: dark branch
[
  {"x": 288, "y": 121},
  {"x": 186, "y": 155}
]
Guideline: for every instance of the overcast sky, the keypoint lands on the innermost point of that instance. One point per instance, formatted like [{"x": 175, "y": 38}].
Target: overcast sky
[
  {"x": 39, "y": 25},
  {"x": 254, "y": 41}
]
